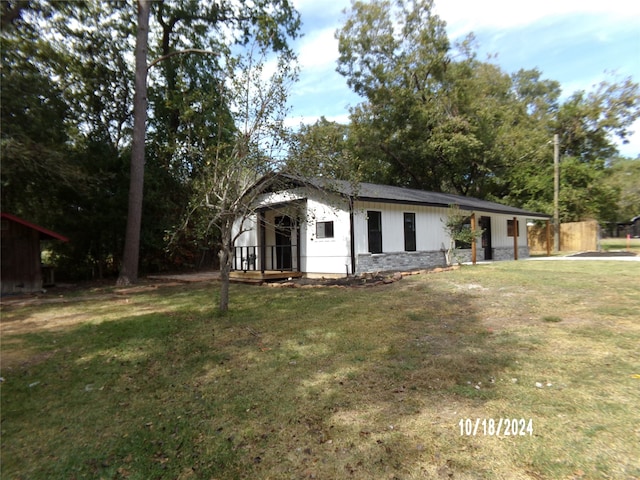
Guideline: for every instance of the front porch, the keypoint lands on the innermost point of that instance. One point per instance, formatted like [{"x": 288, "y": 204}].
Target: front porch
[
  {"x": 257, "y": 264},
  {"x": 256, "y": 276},
  {"x": 274, "y": 252}
]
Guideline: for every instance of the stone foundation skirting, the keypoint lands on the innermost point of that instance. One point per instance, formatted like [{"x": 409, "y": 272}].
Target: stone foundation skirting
[{"x": 380, "y": 262}]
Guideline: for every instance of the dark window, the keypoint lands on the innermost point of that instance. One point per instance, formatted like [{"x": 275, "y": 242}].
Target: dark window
[
  {"x": 410, "y": 232},
  {"x": 374, "y": 224},
  {"x": 510, "y": 228},
  {"x": 324, "y": 229}
]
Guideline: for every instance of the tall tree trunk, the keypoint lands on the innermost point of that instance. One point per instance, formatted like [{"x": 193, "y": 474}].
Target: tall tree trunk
[{"x": 129, "y": 271}]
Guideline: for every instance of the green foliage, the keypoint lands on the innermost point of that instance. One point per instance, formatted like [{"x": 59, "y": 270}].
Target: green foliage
[
  {"x": 436, "y": 118},
  {"x": 65, "y": 157},
  {"x": 322, "y": 149},
  {"x": 457, "y": 225},
  {"x": 624, "y": 176}
]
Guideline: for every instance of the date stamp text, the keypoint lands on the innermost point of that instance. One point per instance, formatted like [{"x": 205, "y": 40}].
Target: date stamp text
[{"x": 495, "y": 427}]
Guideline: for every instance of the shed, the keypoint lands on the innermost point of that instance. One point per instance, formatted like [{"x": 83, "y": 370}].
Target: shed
[
  {"x": 20, "y": 262},
  {"x": 634, "y": 230},
  {"x": 317, "y": 227}
]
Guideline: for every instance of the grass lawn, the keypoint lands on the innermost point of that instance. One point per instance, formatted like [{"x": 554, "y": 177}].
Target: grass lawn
[{"x": 332, "y": 383}]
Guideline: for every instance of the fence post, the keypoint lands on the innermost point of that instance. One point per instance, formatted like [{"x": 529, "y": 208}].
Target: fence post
[{"x": 548, "y": 238}]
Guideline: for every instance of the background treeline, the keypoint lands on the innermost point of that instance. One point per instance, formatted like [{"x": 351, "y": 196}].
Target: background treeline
[
  {"x": 67, "y": 95},
  {"x": 432, "y": 116}
]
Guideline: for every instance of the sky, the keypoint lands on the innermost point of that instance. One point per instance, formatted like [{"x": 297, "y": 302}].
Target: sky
[{"x": 578, "y": 43}]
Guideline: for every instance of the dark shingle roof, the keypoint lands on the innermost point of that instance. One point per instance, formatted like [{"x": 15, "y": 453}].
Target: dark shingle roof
[{"x": 389, "y": 194}]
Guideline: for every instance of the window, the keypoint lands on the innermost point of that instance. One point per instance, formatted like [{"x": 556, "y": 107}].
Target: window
[
  {"x": 410, "y": 232},
  {"x": 324, "y": 229},
  {"x": 510, "y": 228},
  {"x": 374, "y": 225}
]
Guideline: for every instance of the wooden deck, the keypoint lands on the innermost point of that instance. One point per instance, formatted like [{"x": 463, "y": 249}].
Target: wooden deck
[{"x": 256, "y": 276}]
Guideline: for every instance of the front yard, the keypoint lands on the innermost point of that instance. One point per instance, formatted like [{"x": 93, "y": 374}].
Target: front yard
[{"x": 402, "y": 381}]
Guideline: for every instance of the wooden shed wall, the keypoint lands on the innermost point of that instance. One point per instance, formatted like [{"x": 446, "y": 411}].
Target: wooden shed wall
[{"x": 20, "y": 262}]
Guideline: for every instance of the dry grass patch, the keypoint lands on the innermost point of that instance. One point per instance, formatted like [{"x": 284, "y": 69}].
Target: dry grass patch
[{"x": 334, "y": 383}]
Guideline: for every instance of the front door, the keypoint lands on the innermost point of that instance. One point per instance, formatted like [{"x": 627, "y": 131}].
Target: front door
[
  {"x": 284, "y": 260},
  {"x": 485, "y": 225}
]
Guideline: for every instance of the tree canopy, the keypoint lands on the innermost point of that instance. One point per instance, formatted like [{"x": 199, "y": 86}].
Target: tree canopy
[
  {"x": 66, "y": 157},
  {"x": 435, "y": 117}
]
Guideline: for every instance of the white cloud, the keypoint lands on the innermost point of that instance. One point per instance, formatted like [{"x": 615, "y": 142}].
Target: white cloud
[
  {"x": 464, "y": 16},
  {"x": 319, "y": 49},
  {"x": 316, "y": 9},
  {"x": 295, "y": 122}
]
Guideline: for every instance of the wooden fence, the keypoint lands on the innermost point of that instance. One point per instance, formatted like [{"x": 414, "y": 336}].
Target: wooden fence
[{"x": 574, "y": 237}]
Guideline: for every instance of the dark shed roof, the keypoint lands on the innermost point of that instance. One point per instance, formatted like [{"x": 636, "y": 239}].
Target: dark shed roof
[
  {"x": 407, "y": 196},
  {"x": 44, "y": 233}
]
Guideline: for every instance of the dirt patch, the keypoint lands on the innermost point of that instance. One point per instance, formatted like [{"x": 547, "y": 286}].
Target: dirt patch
[{"x": 358, "y": 281}]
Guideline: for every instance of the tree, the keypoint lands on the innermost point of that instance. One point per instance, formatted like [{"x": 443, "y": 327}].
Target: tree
[
  {"x": 129, "y": 270},
  {"x": 587, "y": 124},
  {"x": 322, "y": 149},
  {"x": 33, "y": 138},
  {"x": 624, "y": 176},
  {"x": 457, "y": 225},
  {"x": 63, "y": 156},
  {"x": 433, "y": 116},
  {"x": 240, "y": 167},
  {"x": 269, "y": 23}
]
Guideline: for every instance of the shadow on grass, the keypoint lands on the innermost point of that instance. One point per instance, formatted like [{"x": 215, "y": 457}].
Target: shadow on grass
[{"x": 321, "y": 383}]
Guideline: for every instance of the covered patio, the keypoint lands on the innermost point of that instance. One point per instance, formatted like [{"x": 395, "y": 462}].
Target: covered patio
[{"x": 275, "y": 253}]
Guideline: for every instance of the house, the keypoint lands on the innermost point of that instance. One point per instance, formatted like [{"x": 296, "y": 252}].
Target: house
[
  {"x": 323, "y": 227},
  {"x": 20, "y": 263}
]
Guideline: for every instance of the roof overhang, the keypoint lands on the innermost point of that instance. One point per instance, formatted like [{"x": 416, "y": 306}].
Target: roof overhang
[
  {"x": 394, "y": 195},
  {"x": 45, "y": 234}
]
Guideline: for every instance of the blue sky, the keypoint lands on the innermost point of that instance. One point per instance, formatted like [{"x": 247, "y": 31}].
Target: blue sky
[{"x": 576, "y": 42}]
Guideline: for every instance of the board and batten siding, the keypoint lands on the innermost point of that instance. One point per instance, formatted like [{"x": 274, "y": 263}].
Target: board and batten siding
[
  {"x": 327, "y": 255},
  {"x": 430, "y": 234},
  {"x": 499, "y": 234},
  {"x": 319, "y": 256}
]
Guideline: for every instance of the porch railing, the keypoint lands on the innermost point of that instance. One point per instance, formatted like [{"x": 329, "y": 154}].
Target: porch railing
[{"x": 283, "y": 258}]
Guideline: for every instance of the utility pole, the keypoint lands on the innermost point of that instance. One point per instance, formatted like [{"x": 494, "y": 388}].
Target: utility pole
[{"x": 556, "y": 193}]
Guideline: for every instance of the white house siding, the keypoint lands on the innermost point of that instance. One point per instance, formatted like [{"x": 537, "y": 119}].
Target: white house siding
[
  {"x": 329, "y": 256},
  {"x": 431, "y": 238},
  {"x": 248, "y": 238},
  {"x": 502, "y": 243},
  {"x": 332, "y": 256},
  {"x": 318, "y": 256}
]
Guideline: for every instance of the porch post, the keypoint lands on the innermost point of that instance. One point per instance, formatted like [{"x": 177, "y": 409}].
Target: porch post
[
  {"x": 352, "y": 240},
  {"x": 515, "y": 237},
  {"x": 474, "y": 247},
  {"x": 298, "y": 254},
  {"x": 548, "y": 238},
  {"x": 262, "y": 240}
]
